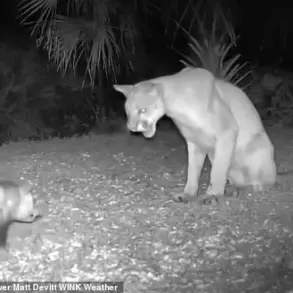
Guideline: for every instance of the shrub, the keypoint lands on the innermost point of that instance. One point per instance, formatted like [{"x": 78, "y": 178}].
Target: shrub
[{"x": 213, "y": 49}]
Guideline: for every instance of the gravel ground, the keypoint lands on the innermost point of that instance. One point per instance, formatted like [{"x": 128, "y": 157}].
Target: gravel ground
[{"x": 109, "y": 217}]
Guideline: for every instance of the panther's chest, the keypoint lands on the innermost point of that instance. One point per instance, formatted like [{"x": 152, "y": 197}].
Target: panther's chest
[{"x": 193, "y": 132}]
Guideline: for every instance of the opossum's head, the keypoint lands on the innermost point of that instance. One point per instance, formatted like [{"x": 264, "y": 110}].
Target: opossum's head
[
  {"x": 26, "y": 209},
  {"x": 17, "y": 202}
]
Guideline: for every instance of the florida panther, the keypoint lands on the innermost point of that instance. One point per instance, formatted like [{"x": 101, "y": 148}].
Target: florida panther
[{"x": 216, "y": 119}]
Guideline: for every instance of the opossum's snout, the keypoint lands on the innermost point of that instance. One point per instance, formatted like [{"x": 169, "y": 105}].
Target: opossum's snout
[
  {"x": 34, "y": 216},
  {"x": 31, "y": 217},
  {"x": 26, "y": 211}
]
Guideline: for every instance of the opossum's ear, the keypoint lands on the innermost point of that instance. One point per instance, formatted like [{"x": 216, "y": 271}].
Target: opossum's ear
[
  {"x": 25, "y": 188},
  {"x": 1, "y": 194}
]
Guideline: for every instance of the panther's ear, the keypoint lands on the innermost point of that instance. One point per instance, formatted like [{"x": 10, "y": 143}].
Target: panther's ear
[
  {"x": 124, "y": 89},
  {"x": 159, "y": 90}
]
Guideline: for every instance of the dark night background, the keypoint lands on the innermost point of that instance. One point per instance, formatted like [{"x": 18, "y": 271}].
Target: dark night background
[
  {"x": 107, "y": 197},
  {"x": 74, "y": 104}
]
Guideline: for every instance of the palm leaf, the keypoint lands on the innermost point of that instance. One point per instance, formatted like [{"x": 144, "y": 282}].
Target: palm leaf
[
  {"x": 212, "y": 50},
  {"x": 81, "y": 30}
]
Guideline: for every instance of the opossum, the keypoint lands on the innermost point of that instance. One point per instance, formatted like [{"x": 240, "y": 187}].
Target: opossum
[{"x": 16, "y": 204}]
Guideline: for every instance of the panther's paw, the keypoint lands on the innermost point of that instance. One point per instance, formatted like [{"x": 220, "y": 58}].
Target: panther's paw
[{"x": 183, "y": 197}]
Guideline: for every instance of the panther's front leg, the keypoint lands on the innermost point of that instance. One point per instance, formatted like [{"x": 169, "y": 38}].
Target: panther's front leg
[
  {"x": 196, "y": 159},
  {"x": 224, "y": 151}
]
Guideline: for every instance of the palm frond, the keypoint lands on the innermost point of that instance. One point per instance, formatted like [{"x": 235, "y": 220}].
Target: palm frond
[
  {"x": 213, "y": 49},
  {"x": 46, "y": 10},
  {"x": 82, "y": 31}
]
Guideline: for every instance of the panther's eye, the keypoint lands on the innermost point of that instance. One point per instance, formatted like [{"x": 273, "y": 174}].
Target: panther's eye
[{"x": 141, "y": 111}]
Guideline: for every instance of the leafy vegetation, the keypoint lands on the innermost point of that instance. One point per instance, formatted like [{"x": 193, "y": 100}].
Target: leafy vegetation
[
  {"x": 94, "y": 40},
  {"x": 92, "y": 35},
  {"x": 24, "y": 98},
  {"x": 213, "y": 48},
  {"x": 93, "y": 43}
]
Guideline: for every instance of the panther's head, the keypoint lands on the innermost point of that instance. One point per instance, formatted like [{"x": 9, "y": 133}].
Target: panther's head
[{"x": 144, "y": 106}]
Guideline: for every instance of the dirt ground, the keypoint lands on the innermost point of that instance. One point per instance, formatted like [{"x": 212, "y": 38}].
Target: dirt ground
[{"x": 108, "y": 216}]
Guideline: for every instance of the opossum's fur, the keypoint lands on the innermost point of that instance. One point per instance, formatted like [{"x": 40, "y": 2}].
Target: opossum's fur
[{"x": 16, "y": 204}]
